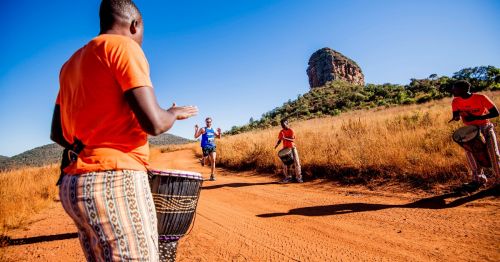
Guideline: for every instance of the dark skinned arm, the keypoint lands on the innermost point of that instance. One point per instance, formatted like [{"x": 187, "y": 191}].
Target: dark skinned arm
[
  {"x": 492, "y": 113},
  {"x": 456, "y": 116},
  {"x": 56, "y": 133},
  {"x": 277, "y": 144},
  {"x": 153, "y": 119}
]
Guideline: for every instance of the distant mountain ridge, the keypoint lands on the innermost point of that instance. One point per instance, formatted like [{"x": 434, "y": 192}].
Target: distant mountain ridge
[{"x": 51, "y": 153}]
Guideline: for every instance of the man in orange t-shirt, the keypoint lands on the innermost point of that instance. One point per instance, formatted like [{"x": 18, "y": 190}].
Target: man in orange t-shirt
[
  {"x": 477, "y": 109},
  {"x": 288, "y": 137},
  {"x": 105, "y": 109}
]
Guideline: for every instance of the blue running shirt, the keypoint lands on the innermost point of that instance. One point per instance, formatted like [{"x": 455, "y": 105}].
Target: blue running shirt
[{"x": 208, "y": 138}]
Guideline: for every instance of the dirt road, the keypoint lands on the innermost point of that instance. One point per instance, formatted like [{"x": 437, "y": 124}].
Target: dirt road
[{"x": 248, "y": 217}]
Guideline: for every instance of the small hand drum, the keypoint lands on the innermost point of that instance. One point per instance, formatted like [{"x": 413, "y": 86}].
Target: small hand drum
[
  {"x": 471, "y": 139},
  {"x": 175, "y": 194},
  {"x": 286, "y": 155}
]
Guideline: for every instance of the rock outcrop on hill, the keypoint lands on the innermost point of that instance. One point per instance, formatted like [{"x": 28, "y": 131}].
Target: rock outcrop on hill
[{"x": 328, "y": 65}]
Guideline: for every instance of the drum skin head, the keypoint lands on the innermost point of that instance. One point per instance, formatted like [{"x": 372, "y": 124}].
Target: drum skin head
[
  {"x": 465, "y": 134},
  {"x": 285, "y": 151},
  {"x": 177, "y": 173}
]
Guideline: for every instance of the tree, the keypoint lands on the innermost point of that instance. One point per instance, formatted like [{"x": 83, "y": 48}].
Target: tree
[{"x": 480, "y": 77}]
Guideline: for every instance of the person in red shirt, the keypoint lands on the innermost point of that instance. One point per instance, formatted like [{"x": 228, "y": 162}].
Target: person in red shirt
[
  {"x": 477, "y": 109},
  {"x": 288, "y": 137},
  {"x": 105, "y": 109}
]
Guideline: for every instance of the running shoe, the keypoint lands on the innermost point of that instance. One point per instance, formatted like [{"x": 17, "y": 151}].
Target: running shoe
[
  {"x": 482, "y": 180},
  {"x": 286, "y": 181}
]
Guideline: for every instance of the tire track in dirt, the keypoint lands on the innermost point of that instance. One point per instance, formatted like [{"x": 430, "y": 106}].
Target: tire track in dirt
[{"x": 248, "y": 217}]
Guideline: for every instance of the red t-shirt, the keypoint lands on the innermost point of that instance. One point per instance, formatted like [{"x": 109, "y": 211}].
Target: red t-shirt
[
  {"x": 94, "y": 109},
  {"x": 476, "y": 105},
  {"x": 287, "y": 133}
]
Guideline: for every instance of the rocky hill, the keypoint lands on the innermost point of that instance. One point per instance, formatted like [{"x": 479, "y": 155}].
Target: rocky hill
[
  {"x": 51, "y": 153},
  {"x": 338, "y": 96},
  {"x": 327, "y": 65}
]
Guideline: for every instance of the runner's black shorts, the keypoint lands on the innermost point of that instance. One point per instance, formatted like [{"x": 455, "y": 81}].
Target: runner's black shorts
[{"x": 207, "y": 150}]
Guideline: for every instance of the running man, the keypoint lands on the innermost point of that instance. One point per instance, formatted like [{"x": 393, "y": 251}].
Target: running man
[
  {"x": 288, "y": 136},
  {"x": 477, "y": 109},
  {"x": 208, "y": 136},
  {"x": 104, "y": 111}
]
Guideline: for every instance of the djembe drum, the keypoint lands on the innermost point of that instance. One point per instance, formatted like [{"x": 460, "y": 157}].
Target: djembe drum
[
  {"x": 286, "y": 156},
  {"x": 472, "y": 140},
  {"x": 175, "y": 194}
]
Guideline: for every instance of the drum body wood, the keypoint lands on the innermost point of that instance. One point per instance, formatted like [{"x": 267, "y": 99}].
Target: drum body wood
[
  {"x": 286, "y": 156},
  {"x": 472, "y": 140},
  {"x": 175, "y": 194}
]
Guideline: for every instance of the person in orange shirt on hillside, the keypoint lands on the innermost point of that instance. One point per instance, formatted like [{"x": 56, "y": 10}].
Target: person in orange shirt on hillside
[
  {"x": 105, "y": 109},
  {"x": 477, "y": 109},
  {"x": 288, "y": 137}
]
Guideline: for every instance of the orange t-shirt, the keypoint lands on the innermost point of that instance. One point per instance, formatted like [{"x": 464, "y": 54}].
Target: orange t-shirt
[
  {"x": 94, "y": 109},
  {"x": 287, "y": 133},
  {"x": 476, "y": 105}
]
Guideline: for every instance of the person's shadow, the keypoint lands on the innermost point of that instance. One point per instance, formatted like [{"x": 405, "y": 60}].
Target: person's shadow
[
  {"x": 7, "y": 241},
  {"x": 436, "y": 202},
  {"x": 236, "y": 185}
]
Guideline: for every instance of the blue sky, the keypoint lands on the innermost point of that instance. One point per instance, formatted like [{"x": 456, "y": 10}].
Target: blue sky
[{"x": 237, "y": 59}]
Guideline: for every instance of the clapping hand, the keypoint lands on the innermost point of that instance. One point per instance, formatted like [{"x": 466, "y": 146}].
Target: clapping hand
[{"x": 183, "y": 112}]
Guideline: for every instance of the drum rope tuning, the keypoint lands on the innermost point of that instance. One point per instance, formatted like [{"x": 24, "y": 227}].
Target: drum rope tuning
[{"x": 174, "y": 204}]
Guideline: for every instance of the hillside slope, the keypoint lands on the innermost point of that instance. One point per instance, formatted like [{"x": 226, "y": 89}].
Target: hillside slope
[
  {"x": 51, "y": 153},
  {"x": 410, "y": 144},
  {"x": 339, "y": 96}
]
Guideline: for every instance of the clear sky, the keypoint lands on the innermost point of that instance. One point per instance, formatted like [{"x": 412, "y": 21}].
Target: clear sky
[{"x": 237, "y": 59}]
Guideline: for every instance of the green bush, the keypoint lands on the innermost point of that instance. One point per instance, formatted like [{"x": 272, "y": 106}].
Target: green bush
[{"x": 339, "y": 96}]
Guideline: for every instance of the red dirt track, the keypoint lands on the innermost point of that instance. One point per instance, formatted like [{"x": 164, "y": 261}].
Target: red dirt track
[{"x": 248, "y": 217}]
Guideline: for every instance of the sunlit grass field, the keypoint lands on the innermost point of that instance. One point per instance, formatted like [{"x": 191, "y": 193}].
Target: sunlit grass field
[
  {"x": 406, "y": 143},
  {"x": 24, "y": 192},
  {"x": 410, "y": 144}
]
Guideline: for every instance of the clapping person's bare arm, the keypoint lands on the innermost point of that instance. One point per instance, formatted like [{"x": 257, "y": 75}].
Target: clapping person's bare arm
[{"x": 153, "y": 119}]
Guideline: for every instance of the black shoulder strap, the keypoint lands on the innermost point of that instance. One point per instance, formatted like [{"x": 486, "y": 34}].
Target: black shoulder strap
[{"x": 70, "y": 154}]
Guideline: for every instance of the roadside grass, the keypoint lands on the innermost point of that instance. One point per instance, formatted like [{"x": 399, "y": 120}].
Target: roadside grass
[
  {"x": 24, "y": 192},
  {"x": 410, "y": 144}
]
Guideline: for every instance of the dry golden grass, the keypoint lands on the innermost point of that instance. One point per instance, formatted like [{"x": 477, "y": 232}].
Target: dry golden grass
[
  {"x": 172, "y": 148},
  {"x": 24, "y": 192},
  {"x": 407, "y": 143}
]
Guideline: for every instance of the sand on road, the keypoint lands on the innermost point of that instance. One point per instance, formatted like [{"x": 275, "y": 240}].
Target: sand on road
[{"x": 244, "y": 216}]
